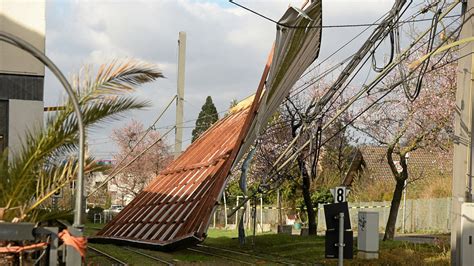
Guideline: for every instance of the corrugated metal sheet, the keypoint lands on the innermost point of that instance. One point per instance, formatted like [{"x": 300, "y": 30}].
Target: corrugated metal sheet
[
  {"x": 176, "y": 206},
  {"x": 297, "y": 45},
  {"x": 175, "y": 209}
]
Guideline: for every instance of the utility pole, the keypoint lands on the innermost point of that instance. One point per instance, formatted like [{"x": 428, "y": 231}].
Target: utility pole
[
  {"x": 178, "y": 141},
  {"x": 463, "y": 161}
]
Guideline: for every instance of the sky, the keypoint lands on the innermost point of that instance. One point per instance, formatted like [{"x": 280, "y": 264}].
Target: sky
[{"x": 226, "y": 49}]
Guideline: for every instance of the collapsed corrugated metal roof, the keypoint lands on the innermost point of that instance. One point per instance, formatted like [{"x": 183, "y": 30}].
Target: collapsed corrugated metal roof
[
  {"x": 297, "y": 45},
  {"x": 175, "y": 209},
  {"x": 176, "y": 205}
]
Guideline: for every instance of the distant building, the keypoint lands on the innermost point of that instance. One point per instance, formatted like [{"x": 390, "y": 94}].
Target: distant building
[
  {"x": 21, "y": 75},
  {"x": 116, "y": 195},
  {"x": 371, "y": 161}
]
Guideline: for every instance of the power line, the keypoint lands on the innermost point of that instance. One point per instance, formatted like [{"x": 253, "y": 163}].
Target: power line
[
  {"x": 342, "y": 47},
  {"x": 379, "y": 33},
  {"x": 430, "y": 40},
  {"x": 292, "y": 157},
  {"x": 269, "y": 189},
  {"x": 308, "y": 84},
  {"x": 393, "y": 87},
  {"x": 322, "y": 26}
]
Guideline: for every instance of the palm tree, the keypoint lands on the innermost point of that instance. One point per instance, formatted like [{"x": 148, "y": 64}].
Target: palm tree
[{"x": 45, "y": 163}]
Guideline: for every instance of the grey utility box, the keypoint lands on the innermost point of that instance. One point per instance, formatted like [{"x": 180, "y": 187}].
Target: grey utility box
[
  {"x": 368, "y": 235},
  {"x": 467, "y": 233}
]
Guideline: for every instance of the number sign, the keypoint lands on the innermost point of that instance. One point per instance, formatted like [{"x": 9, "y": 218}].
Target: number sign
[{"x": 339, "y": 194}]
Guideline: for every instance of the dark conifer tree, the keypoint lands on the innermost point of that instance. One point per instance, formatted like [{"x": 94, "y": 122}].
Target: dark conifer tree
[{"x": 206, "y": 118}]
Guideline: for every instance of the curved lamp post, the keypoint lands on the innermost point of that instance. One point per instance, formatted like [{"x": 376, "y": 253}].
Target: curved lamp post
[{"x": 24, "y": 45}]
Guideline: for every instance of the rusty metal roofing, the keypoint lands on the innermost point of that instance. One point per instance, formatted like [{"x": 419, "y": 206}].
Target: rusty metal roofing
[
  {"x": 177, "y": 204},
  {"x": 296, "y": 47},
  {"x": 175, "y": 209}
]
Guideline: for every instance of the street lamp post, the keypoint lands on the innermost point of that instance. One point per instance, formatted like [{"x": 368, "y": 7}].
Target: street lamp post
[{"x": 79, "y": 206}]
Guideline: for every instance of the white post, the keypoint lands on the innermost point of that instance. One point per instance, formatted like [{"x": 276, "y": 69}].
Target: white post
[
  {"x": 237, "y": 214},
  {"x": 225, "y": 210},
  {"x": 279, "y": 208},
  {"x": 178, "y": 141},
  {"x": 463, "y": 159},
  {"x": 261, "y": 213},
  {"x": 249, "y": 215},
  {"x": 340, "y": 260},
  {"x": 214, "y": 218},
  {"x": 404, "y": 206}
]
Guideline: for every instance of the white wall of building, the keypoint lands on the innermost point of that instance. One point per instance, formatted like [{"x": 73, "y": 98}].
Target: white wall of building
[
  {"x": 25, "y": 19},
  {"x": 25, "y": 116}
]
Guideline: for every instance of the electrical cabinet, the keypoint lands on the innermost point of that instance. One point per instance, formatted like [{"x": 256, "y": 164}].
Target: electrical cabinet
[
  {"x": 368, "y": 235},
  {"x": 467, "y": 233}
]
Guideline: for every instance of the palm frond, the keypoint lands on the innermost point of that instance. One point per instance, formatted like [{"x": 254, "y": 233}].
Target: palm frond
[
  {"x": 123, "y": 76},
  {"x": 40, "y": 168}
]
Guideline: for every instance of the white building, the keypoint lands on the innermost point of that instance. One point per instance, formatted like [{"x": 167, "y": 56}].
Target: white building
[
  {"x": 117, "y": 195},
  {"x": 21, "y": 75}
]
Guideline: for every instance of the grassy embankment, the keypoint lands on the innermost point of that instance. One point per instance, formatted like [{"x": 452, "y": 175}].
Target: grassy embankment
[{"x": 272, "y": 248}]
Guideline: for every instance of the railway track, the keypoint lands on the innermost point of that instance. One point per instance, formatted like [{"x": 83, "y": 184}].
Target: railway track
[
  {"x": 240, "y": 257},
  {"x": 155, "y": 258},
  {"x": 247, "y": 254},
  {"x": 112, "y": 259},
  {"x": 116, "y": 261},
  {"x": 221, "y": 256}
]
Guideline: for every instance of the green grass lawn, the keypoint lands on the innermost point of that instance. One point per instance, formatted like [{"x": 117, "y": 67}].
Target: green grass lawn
[{"x": 271, "y": 248}]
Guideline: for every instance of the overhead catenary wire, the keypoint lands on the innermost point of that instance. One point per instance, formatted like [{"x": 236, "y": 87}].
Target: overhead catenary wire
[
  {"x": 384, "y": 73},
  {"x": 386, "y": 93},
  {"x": 316, "y": 26},
  {"x": 413, "y": 95},
  {"x": 431, "y": 39},
  {"x": 340, "y": 112},
  {"x": 310, "y": 83},
  {"x": 270, "y": 189},
  {"x": 416, "y": 41},
  {"x": 399, "y": 59},
  {"x": 342, "y": 47},
  {"x": 316, "y": 107}
]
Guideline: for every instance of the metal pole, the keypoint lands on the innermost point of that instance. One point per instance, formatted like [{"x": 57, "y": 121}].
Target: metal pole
[
  {"x": 261, "y": 213},
  {"x": 225, "y": 211},
  {"x": 22, "y": 44},
  {"x": 279, "y": 207},
  {"x": 248, "y": 214},
  {"x": 463, "y": 159},
  {"x": 237, "y": 213},
  {"x": 254, "y": 214},
  {"x": 214, "y": 218},
  {"x": 340, "y": 259},
  {"x": 178, "y": 141},
  {"x": 404, "y": 206}
]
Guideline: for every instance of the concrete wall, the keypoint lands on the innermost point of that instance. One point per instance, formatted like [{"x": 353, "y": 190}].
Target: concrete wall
[
  {"x": 421, "y": 215},
  {"x": 24, "y": 116},
  {"x": 21, "y": 75},
  {"x": 25, "y": 19}
]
